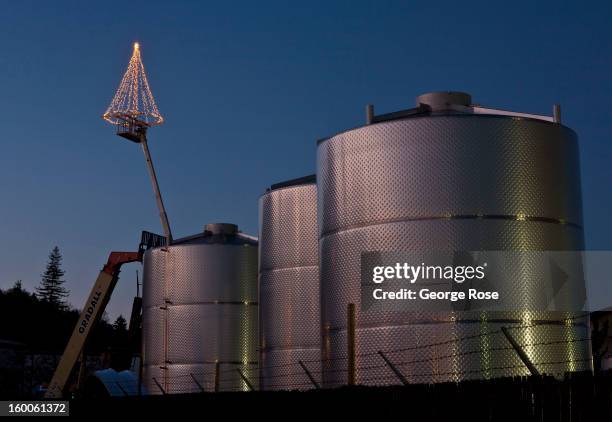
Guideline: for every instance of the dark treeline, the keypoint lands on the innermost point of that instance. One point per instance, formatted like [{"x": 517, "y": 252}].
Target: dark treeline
[
  {"x": 44, "y": 327},
  {"x": 43, "y": 321}
]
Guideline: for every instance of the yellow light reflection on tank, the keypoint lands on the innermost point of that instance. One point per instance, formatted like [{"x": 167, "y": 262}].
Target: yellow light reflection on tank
[
  {"x": 485, "y": 347},
  {"x": 569, "y": 335}
]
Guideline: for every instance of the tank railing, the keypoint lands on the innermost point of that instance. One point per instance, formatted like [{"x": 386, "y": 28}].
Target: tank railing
[
  {"x": 459, "y": 108},
  {"x": 371, "y": 117},
  {"x": 498, "y": 112},
  {"x": 150, "y": 240}
]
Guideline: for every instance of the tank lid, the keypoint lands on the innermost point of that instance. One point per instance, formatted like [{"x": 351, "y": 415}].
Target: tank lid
[
  {"x": 306, "y": 180},
  {"x": 443, "y": 100},
  {"x": 221, "y": 228}
]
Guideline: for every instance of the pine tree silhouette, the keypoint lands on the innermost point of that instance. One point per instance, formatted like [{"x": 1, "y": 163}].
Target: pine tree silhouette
[
  {"x": 51, "y": 287},
  {"x": 120, "y": 324}
]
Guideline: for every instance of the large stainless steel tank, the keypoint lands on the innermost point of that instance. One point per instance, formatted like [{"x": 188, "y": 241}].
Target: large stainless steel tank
[
  {"x": 200, "y": 312},
  {"x": 289, "y": 300},
  {"x": 446, "y": 176}
]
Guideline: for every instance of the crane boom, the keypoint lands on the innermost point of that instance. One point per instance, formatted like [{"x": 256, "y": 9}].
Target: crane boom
[
  {"x": 91, "y": 313},
  {"x": 135, "y": 130}
]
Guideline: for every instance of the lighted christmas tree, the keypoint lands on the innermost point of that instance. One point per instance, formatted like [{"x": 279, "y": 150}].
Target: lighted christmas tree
[{"x": 133, "y": 99}]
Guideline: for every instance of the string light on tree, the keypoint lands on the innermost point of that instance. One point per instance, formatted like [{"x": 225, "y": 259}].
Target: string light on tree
[{"x": 134, "y": 99}]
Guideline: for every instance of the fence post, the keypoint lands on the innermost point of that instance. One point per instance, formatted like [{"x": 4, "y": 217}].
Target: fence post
[
  {"x": 396, "y": 371},
  {"x": 310, "y": 377},
  {"x": 520, "y": 352},
  {"x": 350, "y": 337},
  {"x": 140, "y": 369},
  {"x": 159, "y": 386},
  {"x": 196, "y": 382},
  {"x": 217, "y": 376},
  {"x": 245, "y": 379},
  {"x": 121, "y": 388}
]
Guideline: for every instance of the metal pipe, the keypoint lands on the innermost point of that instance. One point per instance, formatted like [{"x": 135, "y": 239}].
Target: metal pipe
[
  {"x": 369, "y": 114},
  {"x": 557, "y": 113},
  {"x": 309, "y": 375},
  {"x": 520, "y": 352},
  {"x": 350, "y": 316},
  {"x": 158, "y": 197},
  {"x": 396, "y": 371}
]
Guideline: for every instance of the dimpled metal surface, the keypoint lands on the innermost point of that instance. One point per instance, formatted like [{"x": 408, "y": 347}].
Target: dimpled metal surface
[
  {"x": 446, "y": 183},
  {"x": 289, "y": 287},
  {"x": 200, "y": 307}
]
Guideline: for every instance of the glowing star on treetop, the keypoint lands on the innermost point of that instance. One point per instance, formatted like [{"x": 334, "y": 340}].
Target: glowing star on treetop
[{"x": 133, "y": 99}]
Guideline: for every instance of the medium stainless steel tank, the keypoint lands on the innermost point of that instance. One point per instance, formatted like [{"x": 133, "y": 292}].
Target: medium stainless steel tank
[
  {"x": 446, "y": 176},
  {"x": 200, "y": 312},
  {"x": 289, "y": 300}
]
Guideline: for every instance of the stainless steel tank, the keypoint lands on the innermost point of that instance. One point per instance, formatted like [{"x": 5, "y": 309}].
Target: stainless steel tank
[
  {"x": 200, "y": 312},
  {"x": 289, "y": 300},
  {"x": 446, "y": 176}
]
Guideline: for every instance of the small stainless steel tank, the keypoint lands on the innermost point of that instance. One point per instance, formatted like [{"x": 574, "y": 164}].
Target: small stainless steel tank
[
  {"x": 446, "y": 176},
  {"x": 289, "y": 285},
  {"x": 200, "y": 312}
]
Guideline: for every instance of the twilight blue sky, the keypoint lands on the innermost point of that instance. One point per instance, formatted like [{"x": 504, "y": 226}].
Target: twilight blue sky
[{"x": 246, "y": 89}]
